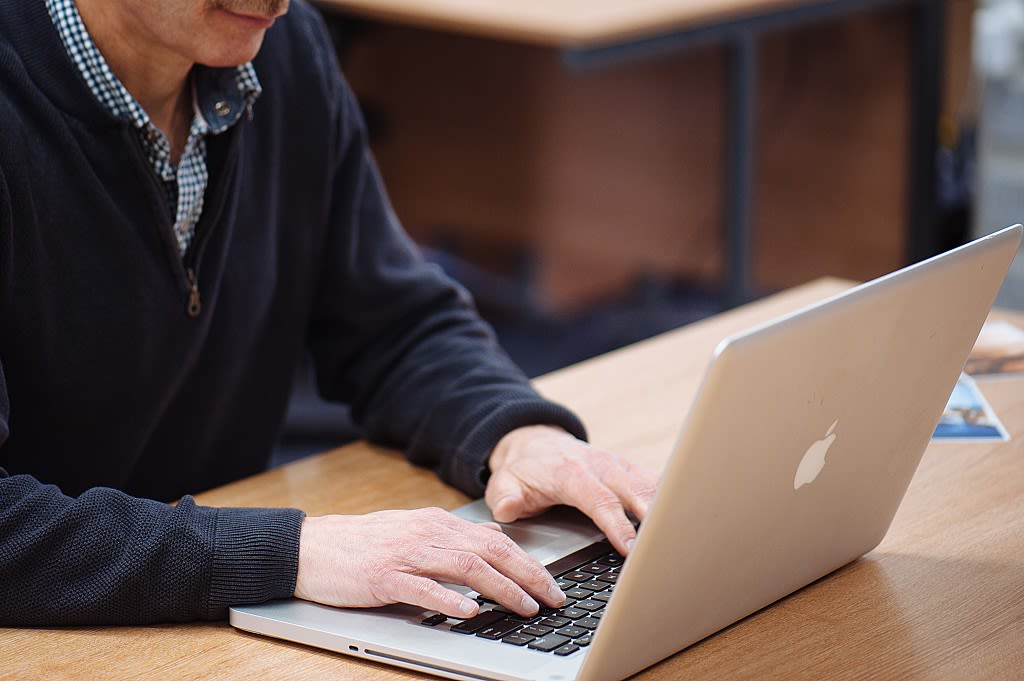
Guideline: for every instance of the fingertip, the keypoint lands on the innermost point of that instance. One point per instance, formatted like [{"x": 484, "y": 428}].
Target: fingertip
[
  {"x": 466, "y": 607},
  {"x": 507, "y": 508},
  {"x": 529, "y": 606},
  {"x": 555, "y": 596},
  {"x": 624, "y": 541}
]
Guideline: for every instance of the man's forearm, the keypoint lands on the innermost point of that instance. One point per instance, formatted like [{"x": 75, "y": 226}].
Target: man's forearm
[{"x": 109, "y": 558}]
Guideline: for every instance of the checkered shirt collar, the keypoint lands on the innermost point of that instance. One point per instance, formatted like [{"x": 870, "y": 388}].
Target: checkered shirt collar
[{"x": 221, "y": 95}]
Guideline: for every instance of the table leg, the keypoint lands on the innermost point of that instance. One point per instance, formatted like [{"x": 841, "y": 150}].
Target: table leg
[
  {"x": 740, "y": 155},
  {"x": 926, "y": 63}
]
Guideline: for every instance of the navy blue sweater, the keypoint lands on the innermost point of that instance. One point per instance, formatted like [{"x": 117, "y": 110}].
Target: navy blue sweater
[{"x": 115, "y": 400}]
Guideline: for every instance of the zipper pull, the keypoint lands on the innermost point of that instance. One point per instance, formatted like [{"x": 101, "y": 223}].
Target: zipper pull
[{"x": 194, "y": 305}]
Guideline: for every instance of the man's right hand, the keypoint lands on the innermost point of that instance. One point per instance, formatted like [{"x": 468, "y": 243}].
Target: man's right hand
[{"x": 400, "y": 556}]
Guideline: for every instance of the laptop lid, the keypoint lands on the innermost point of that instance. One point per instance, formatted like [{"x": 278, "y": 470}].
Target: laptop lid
[
  {"x": 792, "y": 462},
  {"x": 799, "y": 447}
]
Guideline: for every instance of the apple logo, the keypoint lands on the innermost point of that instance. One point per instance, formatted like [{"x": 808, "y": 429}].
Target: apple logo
[{"x": 814, "y": 458}]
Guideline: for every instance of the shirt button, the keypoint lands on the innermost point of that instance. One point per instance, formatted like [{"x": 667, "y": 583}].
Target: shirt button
[{"x": 222, "y": 108}]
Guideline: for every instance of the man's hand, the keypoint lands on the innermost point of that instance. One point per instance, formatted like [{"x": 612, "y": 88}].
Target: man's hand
[
  {"x": 536, "y": 467},
  {"x": 399, "y": 557}
]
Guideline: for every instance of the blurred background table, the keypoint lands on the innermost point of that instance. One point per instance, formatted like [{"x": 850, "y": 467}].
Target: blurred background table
[{"x": 753, "y": 144}]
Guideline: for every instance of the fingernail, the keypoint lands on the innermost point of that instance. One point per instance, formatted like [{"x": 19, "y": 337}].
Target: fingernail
[
  {"x": 556, "y": 595},
  {"x": 530, "y": 605},
  {"x": 467, "y": 607},
  {"x": 629, "y": 545}
]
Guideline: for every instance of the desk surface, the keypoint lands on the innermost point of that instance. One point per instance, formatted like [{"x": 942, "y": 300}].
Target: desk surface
[
  {"x": 941, "y": 598},
  {"x": 557, "y": 23}
]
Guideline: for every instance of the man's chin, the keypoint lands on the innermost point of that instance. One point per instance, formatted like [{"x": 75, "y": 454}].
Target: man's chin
[{"x": 232, "y": 57}]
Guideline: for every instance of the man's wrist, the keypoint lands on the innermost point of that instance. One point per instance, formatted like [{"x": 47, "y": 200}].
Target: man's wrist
[{"x": 515, "y": 437}]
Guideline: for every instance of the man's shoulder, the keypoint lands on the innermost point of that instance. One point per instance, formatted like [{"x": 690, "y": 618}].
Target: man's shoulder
[{"x": 35, "y": 70}]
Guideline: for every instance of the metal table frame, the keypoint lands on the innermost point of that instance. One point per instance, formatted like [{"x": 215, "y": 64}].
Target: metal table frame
[{"x": 741, "y": 37}]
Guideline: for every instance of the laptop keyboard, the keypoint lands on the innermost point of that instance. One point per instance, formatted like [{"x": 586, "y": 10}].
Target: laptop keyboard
[{"x": 587, "y": 577}]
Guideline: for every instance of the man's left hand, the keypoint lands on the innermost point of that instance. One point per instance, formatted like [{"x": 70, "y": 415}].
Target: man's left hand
[{"x": 536, "y": 467}]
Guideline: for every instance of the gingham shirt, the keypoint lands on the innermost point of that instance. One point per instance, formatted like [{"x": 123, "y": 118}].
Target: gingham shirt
[{"x": 219, "y": 97}]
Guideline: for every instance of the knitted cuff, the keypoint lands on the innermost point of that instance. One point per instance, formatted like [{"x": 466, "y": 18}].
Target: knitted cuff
[{"x": 256, "y": 557}]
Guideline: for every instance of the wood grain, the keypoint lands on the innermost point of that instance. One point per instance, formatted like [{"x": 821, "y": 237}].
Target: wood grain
[{"x": 941, "y": 598}]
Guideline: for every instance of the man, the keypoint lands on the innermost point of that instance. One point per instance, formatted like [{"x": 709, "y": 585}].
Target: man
[{"x": 187, "y": 205}]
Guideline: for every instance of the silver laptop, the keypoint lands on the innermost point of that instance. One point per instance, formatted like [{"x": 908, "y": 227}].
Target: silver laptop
[{"x": 791, "y": 463}]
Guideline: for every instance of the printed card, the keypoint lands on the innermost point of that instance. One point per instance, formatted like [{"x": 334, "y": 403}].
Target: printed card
[{"x": 968, "y": 416}]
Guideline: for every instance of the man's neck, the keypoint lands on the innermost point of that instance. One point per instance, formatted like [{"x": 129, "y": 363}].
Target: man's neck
[{"x": 157, "y": 78}]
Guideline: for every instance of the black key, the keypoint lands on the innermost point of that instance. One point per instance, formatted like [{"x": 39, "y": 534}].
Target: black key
[
  {"x": 594, "y": 586},
  {"x": 434, "y": 620},
  {"x": 567, "y": 650},
  {"x": 583, "y": 640},
  {"x": 522, "y": 619},
  {"x": 595, "y": 568},
  {"x": 536, "y": 630},
  {"x": 604, "y": 596},
  {"x": 564, "y": 584},
  {"x": 518, "y": 639},
  {"x": 611, "y": 559},
  {"x": 499, "y": 629},
  {"x": 590, "y": 606},
  {"x": 573, "y": 632},
  {"x": 577, "y": 576},
  {"x": 588, "y": 623},
  {"x": 609, "y": 577},
  {"x": 555, "y": 622},
  {"x": 574, "y": 613},
  {"x": 549, "y": 642},
  {"x": 577, "y": 593},
  {"x": 474, "y": 624}
]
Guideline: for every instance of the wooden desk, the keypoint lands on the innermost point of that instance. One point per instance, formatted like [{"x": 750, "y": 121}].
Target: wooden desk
[
  {"x": 599, "y": 33},
  {"x": 941, "y": 598}
]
